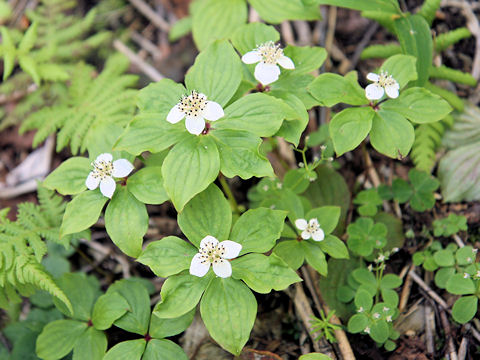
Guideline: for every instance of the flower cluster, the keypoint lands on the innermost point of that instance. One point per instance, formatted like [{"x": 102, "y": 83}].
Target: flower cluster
[
  {"x": 104, "y": 170},
  {"x": 214, "y": 253},
  {"x": 382, "y": 84},
  {"x": 196, "y": 109},
  {"x": 268, "y": 55},
  {"x": 310, "y": 229}
]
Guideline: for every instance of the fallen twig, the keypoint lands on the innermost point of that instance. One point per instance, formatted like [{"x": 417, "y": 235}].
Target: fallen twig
[
  {"x": 151, "y": 15},
  {"x": 146, "y": 68}
]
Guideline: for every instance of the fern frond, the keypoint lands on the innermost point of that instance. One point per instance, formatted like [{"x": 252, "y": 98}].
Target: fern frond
[
  {"x": 380, "y": 51},
  {"x": 91, "y": 101},
  {"x": 428, "y": 10},
  {"x": 443, "y": 41},
  {"x": 427, "y": 140},
  {"x": 22, "y": 247},
  {"x": 456, "y": 102},
  {"x": 444, "y": 72}
]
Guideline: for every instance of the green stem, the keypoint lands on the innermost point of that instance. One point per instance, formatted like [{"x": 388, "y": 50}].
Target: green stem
[{"x": 228, "y": 192}]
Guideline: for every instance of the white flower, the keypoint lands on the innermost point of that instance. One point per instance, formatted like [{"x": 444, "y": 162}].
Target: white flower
[
  {"x": 196, "y": 108},
  {"x": 268, "y": 55},
  {"x": 104, "y": 170},
  {"x": 389, "y": 318},
  {"x": 477, "y": 275},
  {"x": 382, "y": 84},
  {"x": 360, "y": 309},
  {"x": 385, "y": 309},
  {"x": 310, "y": 230},
  {"x": 376, "y": 315},
  {"x": 466, "y": 275},
  {"x": 213, "y": 253},
  {"x": 367, "y": 330}
]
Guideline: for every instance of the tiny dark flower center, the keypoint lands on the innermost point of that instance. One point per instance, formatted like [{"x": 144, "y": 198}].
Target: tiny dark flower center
[
  {"x": 193, "y": 105},
  {"x": 270, "y": 52},
  {"x": 102, "y": 169}
]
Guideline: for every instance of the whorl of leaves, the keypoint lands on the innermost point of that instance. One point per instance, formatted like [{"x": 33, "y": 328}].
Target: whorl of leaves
[
  {"x": 22, "y": 247},
  {"x": 91, "y": 101}
]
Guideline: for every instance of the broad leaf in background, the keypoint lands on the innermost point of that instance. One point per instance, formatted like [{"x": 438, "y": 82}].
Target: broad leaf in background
[
  {"x": 458, "y": 169},
  {"x": 276, "y": 11}
]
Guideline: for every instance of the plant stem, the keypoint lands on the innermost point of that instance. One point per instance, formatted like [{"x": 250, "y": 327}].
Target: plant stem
[{"x": 228, "y": 192}]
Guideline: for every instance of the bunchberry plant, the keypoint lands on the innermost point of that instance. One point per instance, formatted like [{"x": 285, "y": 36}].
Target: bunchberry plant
[{"x": 240, "y": 113}]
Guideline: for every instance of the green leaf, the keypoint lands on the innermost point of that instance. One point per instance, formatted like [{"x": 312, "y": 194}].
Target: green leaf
[
  {"x": 442, "y": 276},
  {"x": 392, "y": 134},
  {"x": 247, "y": 37},
  {"x": 465, "y": 255},
  {"x": 82, "y": 212},
  {"x": 387, "y": 6},
  {"x": 52, "y": 72},
  {"x": 402, "y": 191},
  {"x": 290, "y": 251},
  {"x": 167, "y": 256},
  {"x": 276, "y": 11},
  {"x": 240, "y": 154},
  {"x": 297, "y": 180},
  {"x": 69, "y": 178},
  {"x": 449, "y": 225},
  {"x": 215, "y": 219},
  {"x": 395, "y": 235},
  {"x": 458, "y": 285},
  {"x": 150, "y": 130},
  {"x": 363, "y": 300},
  {"x": 357, "y": 323},
  {"x": 127, "y": 350},
  {"x": 107, "y": 309},
  {"x": 180, "y": 294},
  {"x": 418, "y": 105},
  {"x": 306, "y": 58},
  {"x": 415, "y": 38},
  {"x": 364, "y": 236},
  {"x": 216, "y": 19},
  {"x": 161, "y": 328},
  {"x": 163, "y": 349},
  {"x": 257, "y": 113},
  {"x": 350, "y": 127},
  {"x": 424, "y": 186},
  {"x": 402, "y": 68},
  {"x": 29, "y": 65},
  {"x": 444, "y": 258},
  {"x": 180, "y": 28},
  {"x": 465, "y": 309},
  {"x": 126, "y": 222},
  {"x": 364, "y": 276},
  {"x": 58, "y": 338},
  {"x": 296, "y": 85},
  {"x": 147, "y": 185},
  {"x": 28, "y": 39},
  {"x": 264, "y": 273},
  {"x": 369, "y": 200},
  {"x": 379, "y": 331},
  {"x": 217, "y": 72},
  {"x": 330, "y": 189},
  {"x": 92, "y": 345},
  {"x": 82, "y": 291},
  {"x": 189, "y": 168},
  {"x": 327, "y": 217},
  {"x": 9, "y": 52},
  {"x": 137, "y": 319},
  {"x": 257, "y": 230},
  {"x": 334, "y": 247},
  {"x": 228, "y": 310},
  {"x": 315, "y": 257},
  {"x": 331, "y": 89},
  {"x": 390, "y": 281}
]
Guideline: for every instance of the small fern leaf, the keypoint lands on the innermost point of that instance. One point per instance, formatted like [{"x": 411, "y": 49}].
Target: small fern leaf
[
  {"x": 428, "y": 10},
  {"x": 443, "y": 41}
]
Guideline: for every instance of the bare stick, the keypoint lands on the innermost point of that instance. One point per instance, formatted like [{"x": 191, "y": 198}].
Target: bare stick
[
  {"x": 287, "y": 33},
  {"x": 146, "y": 44},
  {"x": 146, "y": 68},
  {"x": 428, "y": 289},
  {"x": 311, "y": 279},
  {"x": 429, "y": 328},
  {"x": 462, "y": 350},
  {"x": 407, "y": 287},
  {"x": 151, "y": 15},
  {"x": 305, "y": 312},
  {"x": 458, "y": 240},
  {"x": 362, "y": 44},
  {"x": 448, "y": 333}
]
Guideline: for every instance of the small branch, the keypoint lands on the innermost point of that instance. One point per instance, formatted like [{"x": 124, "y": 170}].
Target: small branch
[
  {"x": 428, "y": 289},
  {"x": 458, "y": 240},
  {"x": 448, "y": 333},
  {"x": 305, "y": 312},
  {"x": 407, "y": 286},
  {"x": 17, "y": 95},
  {"x": 462, "y": 350},
  {"x": 144, "y": 67},
  {"x": 429, "y": 329},
  {"x": 146, "y": 10},
  {"x": 362, "y": 44},
  {"x": 146, "y": 44}
]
